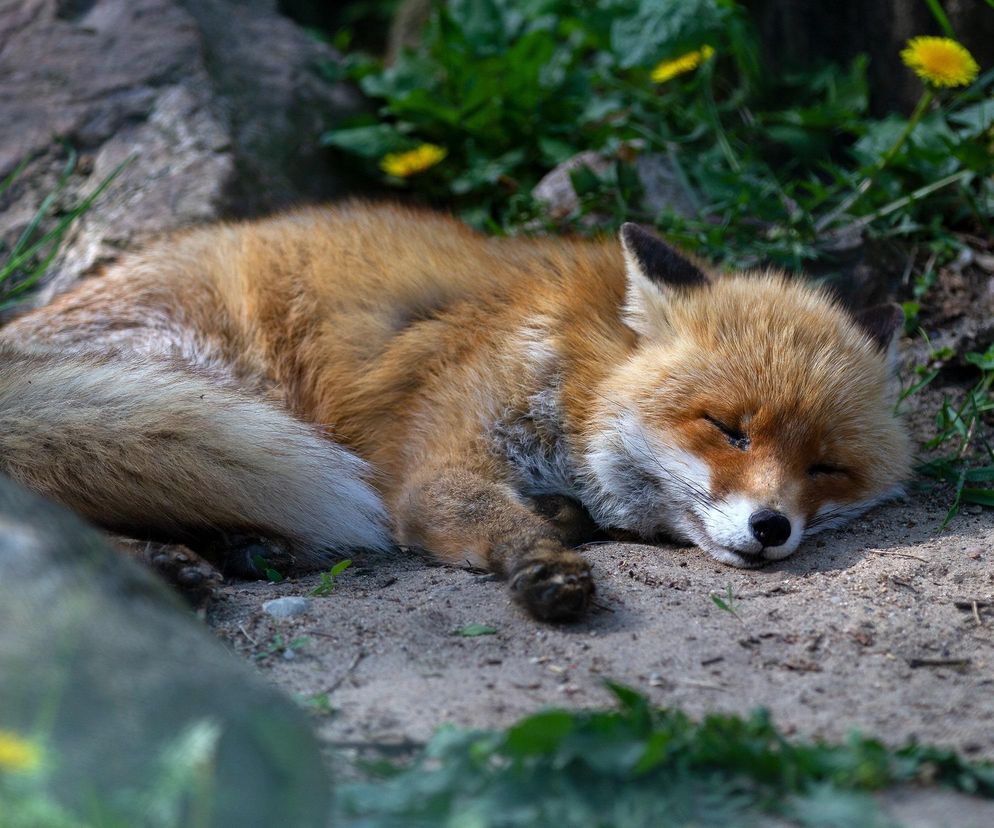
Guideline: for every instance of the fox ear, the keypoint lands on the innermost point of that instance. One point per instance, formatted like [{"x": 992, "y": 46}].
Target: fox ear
[
  {"x": 881, "y": 323},
  {"x": 653, "y": 269}
]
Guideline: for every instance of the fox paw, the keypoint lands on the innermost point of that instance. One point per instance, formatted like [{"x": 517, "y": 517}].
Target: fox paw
[
  {"x": 191, "y": 575},
  {"x": 554, "y": 588}
]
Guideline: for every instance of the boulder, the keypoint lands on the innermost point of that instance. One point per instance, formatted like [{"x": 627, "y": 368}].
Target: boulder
[
  {"x": 121, "y": 701},
  {"x": 215, "y": 105}
]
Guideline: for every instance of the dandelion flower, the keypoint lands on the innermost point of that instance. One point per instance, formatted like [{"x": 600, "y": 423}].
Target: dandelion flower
[
  {"x": 406, "y": 164},
  {"x": 940, "y": 60},
  {"x": 669, "y": 69},
  {"x": 17, "y": 754}
]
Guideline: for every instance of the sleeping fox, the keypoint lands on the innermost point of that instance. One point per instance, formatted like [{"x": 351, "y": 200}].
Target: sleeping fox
[{"x": 362, "y": 376}]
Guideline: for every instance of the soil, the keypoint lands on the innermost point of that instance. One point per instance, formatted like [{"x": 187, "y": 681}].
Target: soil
[{"x": 886, "y": 627}]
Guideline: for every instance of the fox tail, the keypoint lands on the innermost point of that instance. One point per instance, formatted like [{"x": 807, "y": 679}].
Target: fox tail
[{"x": 137, "y": 444}]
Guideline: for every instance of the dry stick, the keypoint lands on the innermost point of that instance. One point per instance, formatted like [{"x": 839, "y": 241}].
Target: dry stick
[
  {"x": 939, "y": 662},
  {"x": 976, "y": 613},
  {"x": 243, "y": 631},
  {"x": 969, "y": 603},
  {"x": 359, "y": 656},
  {"x": 706, "y": 685},
  {"x": 898, "y": 555}
]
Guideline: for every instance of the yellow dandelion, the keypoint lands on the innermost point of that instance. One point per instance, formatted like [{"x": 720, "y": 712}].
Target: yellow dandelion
[
  {"x": 669, "y": 69},
  {"x": 17, "y": 754},
  {"x": 941, "y": 61},
  {"x": 412, "y": 162}
]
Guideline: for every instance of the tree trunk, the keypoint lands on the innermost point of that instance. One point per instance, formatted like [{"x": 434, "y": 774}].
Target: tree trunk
[{"x": 794, "y": 34}]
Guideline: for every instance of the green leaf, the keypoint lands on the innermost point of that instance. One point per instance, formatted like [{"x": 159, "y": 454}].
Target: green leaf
[
  {"x": 663, "y": 29},
  {"x": 368, "y": 141},
  {"x": 474, "y": 630},
  {"x": 263, "y": 565},
  {"x": 985, "y": 361},
  {"x": 540, "y": 733},
  {"x": 974, "y": 120},
  {"x": 981, "y": 497},
  {"x": 584, "y": 180},
  {"x": 340, "y": 567}
]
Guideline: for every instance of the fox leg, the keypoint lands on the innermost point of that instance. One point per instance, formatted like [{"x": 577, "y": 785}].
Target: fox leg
[{"x": 461, "y": 516}]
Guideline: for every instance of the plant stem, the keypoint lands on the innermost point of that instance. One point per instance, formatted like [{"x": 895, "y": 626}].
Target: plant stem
[
  {"x": 719, "y": 130},
  {"x": 885, "y": 159}
]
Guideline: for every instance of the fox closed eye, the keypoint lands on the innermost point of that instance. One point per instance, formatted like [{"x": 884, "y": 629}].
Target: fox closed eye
[
  {"x": 736, "y": 437},
  {"x": 824, "y": 469}
]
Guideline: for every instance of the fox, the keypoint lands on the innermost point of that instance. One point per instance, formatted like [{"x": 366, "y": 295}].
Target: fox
[{"x": 383, "y": 376}]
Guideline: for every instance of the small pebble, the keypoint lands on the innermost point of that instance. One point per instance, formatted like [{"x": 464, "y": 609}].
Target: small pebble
[
  {"x": 289, "y": 607},
  {"x": 975, "y": 552}
]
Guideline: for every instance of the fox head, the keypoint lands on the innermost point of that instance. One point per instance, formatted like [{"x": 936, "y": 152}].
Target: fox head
[{"x": 753, "y": 411}]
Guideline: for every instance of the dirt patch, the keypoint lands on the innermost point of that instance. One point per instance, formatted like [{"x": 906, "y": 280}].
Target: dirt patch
[{"x": 886, "y": 627}]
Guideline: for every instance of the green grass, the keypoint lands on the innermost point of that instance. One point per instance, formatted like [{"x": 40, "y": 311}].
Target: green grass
[
  {"x": 329, "y": 579},
  {"x": 638, "y": 766},
  {"x": 962, "y": 452},
  {"x": 25, "y": 262}
]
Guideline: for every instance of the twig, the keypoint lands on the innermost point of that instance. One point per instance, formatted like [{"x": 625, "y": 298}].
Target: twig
[
  {"x": 401, "y": 747},
  {"x": 939, "y": 662},
  {"x": 243, "y": 631},
  {"x": 359, "y": 656},
  {"x": 704, "y": 685},
  {"x": 976, "y": 614},
  {"x": 898, "y": 555},
  {"x": 970, "y": 603}
]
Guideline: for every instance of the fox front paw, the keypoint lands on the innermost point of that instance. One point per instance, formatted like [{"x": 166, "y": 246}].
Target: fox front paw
[{"x": 554, "y": 587}]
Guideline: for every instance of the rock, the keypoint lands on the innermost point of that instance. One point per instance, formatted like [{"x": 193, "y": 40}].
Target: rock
[
  {"x": 661, "y": 188},
  {"x": 289, "y": 607},
  {"x": 217, "y": 104},
  {"x": 264, "y": 71},
  {"x": 555, "y": 190},
  {"x": 131, "y": 702}
]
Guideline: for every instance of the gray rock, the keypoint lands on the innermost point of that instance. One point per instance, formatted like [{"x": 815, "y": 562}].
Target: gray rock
[
  {"x": 217, "y": 103},
  {"x": 135, "y": 705},
  {"x": 289, "y": 607},
  {"x": 661, "y": 187},
  {"x": 555, "y": 190}
]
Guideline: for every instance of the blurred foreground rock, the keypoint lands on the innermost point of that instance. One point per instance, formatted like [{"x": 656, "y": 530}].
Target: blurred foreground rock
[
  {"x": 136, "y": 708},
  {"x": 218, "y": 104}
]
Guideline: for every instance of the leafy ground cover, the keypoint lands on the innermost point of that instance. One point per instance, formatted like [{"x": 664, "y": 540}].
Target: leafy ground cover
[{"x": 638, "y": 766}]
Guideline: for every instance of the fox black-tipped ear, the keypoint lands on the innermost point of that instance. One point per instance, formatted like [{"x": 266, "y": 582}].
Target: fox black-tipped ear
[
  {"x": 654, "y": 270},
  {"x": 656, "y": 260},
  {"x": 881, "y": 323}
]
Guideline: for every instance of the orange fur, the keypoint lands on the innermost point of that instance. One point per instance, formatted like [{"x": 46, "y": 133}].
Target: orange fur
[{"x": 475, "y": 373}]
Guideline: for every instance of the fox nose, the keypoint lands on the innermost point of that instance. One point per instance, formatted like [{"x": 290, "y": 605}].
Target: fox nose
[{"x": 769, "y": 528}]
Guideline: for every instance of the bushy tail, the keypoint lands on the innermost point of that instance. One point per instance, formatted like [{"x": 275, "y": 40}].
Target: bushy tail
[{"x": 132, "y": 443}]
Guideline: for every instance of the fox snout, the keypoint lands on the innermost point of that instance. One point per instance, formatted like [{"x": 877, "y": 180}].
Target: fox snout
[{"x": 770, "y": 528}]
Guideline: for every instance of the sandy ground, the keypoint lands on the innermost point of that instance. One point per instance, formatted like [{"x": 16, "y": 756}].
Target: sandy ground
[{"x": 886, "y": 627}]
